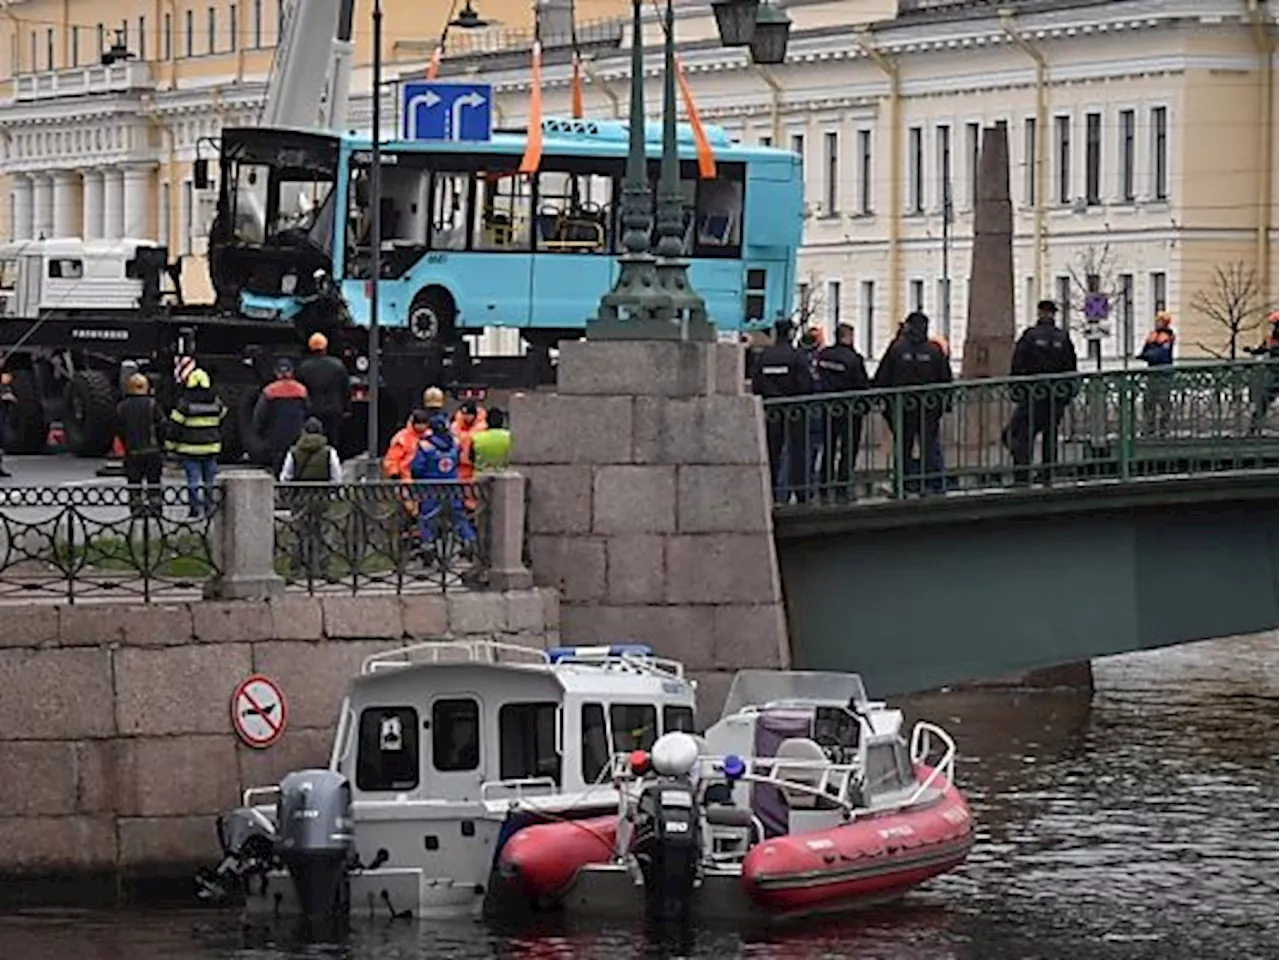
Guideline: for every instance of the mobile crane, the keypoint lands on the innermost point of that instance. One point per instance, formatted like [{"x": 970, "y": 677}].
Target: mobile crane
[{"x": 73, "y": 312}]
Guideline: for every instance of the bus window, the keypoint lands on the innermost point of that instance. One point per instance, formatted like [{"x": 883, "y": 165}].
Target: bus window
[
  {"x": 595, "y": 742},
  {"x": 635, "y": 726},
  {"x": 504, "y": 200},
  {"x": 249, "y": 203},
  {"x": 574, "y": 212},
  {"x": 450, "y": 195},
  {"x": 718, "y": 223}
]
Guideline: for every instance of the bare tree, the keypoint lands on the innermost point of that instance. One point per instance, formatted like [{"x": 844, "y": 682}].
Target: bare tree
[
  {"x": 809, "y": 302},
  {"x": 1233, "y": 300}
]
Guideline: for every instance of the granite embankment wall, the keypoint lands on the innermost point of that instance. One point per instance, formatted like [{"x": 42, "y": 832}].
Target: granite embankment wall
[{"x": 116, "y": 744}]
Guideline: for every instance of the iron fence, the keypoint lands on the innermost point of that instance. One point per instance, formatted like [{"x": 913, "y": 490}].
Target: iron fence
[
  {"x": 990, "y": 435},
  {"x": 366, "y": 537},
  {"x": 104, "y": 542}
]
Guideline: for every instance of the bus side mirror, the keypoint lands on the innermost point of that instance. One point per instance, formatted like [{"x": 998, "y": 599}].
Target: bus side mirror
[{"x": 200, "y": 173}]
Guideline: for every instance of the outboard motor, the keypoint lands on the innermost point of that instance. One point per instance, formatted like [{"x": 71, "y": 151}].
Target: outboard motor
[
  {"x": 248, "y": 849},
  {"x": 316, "y": 842},
  {"x": 667, "y": 841}
]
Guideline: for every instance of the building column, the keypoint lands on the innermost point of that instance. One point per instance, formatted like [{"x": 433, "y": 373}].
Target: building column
[
  {"x": 42, "y": 206},
  {"x": 93, "y": 204},
  {"x": 23, "y": 223},
  {"x": 112, "y": 203},
  {"x": 66, "y": 203},
  {"x": 137, "y": 202}
]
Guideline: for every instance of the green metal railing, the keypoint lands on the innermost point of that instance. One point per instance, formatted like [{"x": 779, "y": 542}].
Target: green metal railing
[{"x": 1003, "y": 434}]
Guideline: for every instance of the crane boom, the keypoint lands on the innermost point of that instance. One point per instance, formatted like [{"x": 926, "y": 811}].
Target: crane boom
[{"x": 305, "y": 90}]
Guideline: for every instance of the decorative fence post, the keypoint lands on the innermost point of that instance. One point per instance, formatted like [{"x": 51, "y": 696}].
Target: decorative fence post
[
  {"x": 243, "y": 538},
  {"x": 507, "y": 570}
]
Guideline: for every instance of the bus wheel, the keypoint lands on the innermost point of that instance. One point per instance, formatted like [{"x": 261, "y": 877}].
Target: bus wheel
[{"x": 431, "y": 315}]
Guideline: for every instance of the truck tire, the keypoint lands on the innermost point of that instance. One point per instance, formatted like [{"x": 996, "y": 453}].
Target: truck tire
[
  {"x": 91, "y": 413},
  {"x": 25, "y": 428}
]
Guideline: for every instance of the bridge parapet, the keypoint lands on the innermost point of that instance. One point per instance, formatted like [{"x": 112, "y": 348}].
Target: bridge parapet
[{"x": 989, "y": 436}]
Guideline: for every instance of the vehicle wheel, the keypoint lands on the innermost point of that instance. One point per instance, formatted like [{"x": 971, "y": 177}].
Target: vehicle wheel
[
  {"x": 432, "y": 315},
  {"x": 25, "y": 426},
  {"x": 90, "y": 413}
]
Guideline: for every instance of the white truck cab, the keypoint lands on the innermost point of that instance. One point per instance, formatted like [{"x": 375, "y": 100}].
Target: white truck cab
[{"x": 65, "y": 276}]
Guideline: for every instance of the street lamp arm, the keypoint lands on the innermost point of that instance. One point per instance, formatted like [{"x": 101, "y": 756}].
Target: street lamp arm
[{"x": 775, "y": 109}]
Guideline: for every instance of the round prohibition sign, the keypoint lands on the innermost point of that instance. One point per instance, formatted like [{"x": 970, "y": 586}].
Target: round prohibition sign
[{"x": 259, "y": 711}]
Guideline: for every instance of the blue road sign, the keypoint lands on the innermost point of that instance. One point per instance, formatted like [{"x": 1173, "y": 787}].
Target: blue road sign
[
  {"x": 1097, "y": 306},
  {"x": 447, "y": 111}
]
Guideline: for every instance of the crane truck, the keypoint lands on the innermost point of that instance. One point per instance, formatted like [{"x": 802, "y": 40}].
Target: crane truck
[{"x": 74, "y": 313}]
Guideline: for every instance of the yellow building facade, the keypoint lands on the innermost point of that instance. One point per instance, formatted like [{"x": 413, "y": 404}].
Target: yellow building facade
[{"x": 1142, "y": 137}]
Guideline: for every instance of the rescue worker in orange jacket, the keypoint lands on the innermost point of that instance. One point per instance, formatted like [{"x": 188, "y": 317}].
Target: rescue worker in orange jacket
[
  {"x": 1157, "y": 351},
  {"x": 467, "y": 422},
  {"x": 404, "y": 445}
]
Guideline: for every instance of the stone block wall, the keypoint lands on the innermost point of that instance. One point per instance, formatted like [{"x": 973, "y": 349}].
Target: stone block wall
[
  {"x": 116, "y": 743},
  {"x": 650, "y": 509}
]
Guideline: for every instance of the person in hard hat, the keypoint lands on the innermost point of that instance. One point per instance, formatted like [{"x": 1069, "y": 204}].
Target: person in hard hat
[
  {"x": 281, "y": 410},
  {"x": 1268, "y": 387},
  {"x": 141, "y": 433},
  {"x": 1157, "y": 351},
  {"x": 470, "y": 421},
  {"x": 328, "y": 386},
  {"x": 8, "y": 400},
  {"x": 195, "y": 437}
]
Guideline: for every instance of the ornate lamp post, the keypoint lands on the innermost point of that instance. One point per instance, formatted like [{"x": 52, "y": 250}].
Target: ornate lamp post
[{"x": 653, "y": 298}]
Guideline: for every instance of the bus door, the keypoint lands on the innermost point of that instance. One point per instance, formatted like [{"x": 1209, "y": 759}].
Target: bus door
[
  {"x": 573, "y": 227},
  {"x": 496, "y": 279}
]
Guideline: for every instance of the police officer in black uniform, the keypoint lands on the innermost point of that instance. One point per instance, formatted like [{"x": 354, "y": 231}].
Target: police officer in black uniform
[
  {"x": 783, "y": 371},
  {"x": 913, "y": 360},
  {"x": 1042, "y": 349},
  {"x": 841, "y": 369}
]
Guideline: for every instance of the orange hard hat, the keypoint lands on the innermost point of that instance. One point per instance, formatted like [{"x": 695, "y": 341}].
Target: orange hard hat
[{"x": 317, "y": 342}]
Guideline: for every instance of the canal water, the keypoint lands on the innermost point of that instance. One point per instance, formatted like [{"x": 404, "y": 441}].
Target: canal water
[{"x": 1140, "y": 824}]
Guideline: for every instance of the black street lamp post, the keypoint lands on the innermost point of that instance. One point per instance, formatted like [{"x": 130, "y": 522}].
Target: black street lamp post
[
  {"x": 375, "y": 223},
  {"x": 653, "y": 298}
]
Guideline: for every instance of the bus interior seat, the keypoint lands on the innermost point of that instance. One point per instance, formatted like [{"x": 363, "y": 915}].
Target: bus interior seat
[{"x": 715, "y": 229}]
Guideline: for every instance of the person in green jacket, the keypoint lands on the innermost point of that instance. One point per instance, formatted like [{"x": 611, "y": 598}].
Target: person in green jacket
[{"x": 491, "y": 449}]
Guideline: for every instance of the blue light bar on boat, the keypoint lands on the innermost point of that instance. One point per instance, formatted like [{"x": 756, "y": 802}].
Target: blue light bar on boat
[{"x": 556, "y": 654}]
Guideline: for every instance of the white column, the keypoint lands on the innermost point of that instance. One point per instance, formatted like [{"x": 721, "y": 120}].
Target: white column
[
  {"x": 42, "y": 206},
  {"x": 92, "y": 205},
  {"x": 22, "y": 212},
  {"x": 137, "y": 202},
  {"x": 66, "y": 203},
  {"x": 112, "y": 204}
]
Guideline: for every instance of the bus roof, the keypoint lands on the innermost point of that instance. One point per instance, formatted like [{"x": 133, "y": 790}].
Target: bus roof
[{"x": 604, "y": 138}]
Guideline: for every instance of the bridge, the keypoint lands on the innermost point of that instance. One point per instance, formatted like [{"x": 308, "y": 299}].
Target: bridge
[{"x": 1155, "y": 522}]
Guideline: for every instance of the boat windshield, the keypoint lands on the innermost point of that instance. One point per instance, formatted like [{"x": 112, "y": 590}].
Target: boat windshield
[{"x": 758, "y": 687}]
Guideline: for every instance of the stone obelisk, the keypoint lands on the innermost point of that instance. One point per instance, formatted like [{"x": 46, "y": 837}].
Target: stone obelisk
[{"x": 990, "y": 334}]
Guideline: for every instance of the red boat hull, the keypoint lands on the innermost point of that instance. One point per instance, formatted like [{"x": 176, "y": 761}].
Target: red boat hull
[
  {"x": 873, "y": 858},
  {"x": 542, "y": 860}
]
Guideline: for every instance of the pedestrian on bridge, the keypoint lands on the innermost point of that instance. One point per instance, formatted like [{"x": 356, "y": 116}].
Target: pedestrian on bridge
[
  {"x": 1157, "y": 351},
  {"x": 1043, "y": 349},
  {"x": 328, "y": 386},
  {"x": 841, "y": 369},
  {"x": 195, "y": 437},
  {"x": 913, "y": 360},
  {"x": 783, "y": 371},
  {"x": 1269, "y": 387},
  {"x": 142, "y": 425},
  {"x": 281, "y": 410}
]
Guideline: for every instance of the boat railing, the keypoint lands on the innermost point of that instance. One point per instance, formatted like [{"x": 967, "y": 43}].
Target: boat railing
[
  {"x": 265, "y": 793},
  {"x": 453, "y": 651},
  {"x": 518, "y": 788},
  {"x": 655, "y": 666},
  {"x": 923, "y": 746}
]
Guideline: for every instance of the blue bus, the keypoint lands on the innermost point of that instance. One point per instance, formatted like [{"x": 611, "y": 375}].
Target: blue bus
[{"x": 469, "y": 243}]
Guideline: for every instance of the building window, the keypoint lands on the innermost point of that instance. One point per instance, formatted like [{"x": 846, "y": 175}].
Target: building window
[
  {"x": 35, "y": 62},
  {"x": 973, "y": 147},
  {"x": 635, "y": 726},
  {"x": 833, "y": 305},
  {"x": 191, "y": 33},
  {"x": 868, "y": 316},
  {"x": 1093, "y": 159},
  {"x": 102, "y": 40},
  {"x": 797, "y": 147},
  {"x": 917, "y": 296},
  {"x": 1126, "y": 314},
  {"x": 1064, "y": 302},
  {"x": 75, "y": 46},
  {"x": 1127, "y": 124},
  {"x": 123, "y": 36},
  {"x": 48, "y": 49},
  {"x": 527, "y": 742},
  {"x": 944, "y": 306},
  {"x": 257, "y": 23},
  {"x": 943, "y": 133},
  {"x": 1030, "y": 143},
  {"x": 166, "y": 38},
  {"x": 1160, "y": 152},
  {"x": 864, "y": 172},
  {"x": 186, "y": 222},
  {"x": 279, "y": 19},
  {"x": 766, "y": 141},
  {"x": 831, "y": 169},
  {"x": 1030, "y": 295},
  {"x": 1063, "y": 125},
  {"x": 1159, "y": 293},
  {"x": 162, "y": 215},
  {"x": 233, "y": 27},
  {"x": 387, "y": 749},
  {"x": 915, "y": 170},
  {"x": 455, "y": 734},
  {"x": 802, "y": 302},
  {"x": 212, "y": 45}
]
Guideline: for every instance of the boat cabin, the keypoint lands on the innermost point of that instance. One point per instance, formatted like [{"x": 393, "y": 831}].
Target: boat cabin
[{"x": 484, "y": 721}]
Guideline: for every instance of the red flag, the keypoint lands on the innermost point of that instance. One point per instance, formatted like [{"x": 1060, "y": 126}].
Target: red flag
[
  {"x": 706, "y": 157},
  {"x": 433, "y": 65},
  {"x": 533, "y": 149},
  {"x": 576, "y": 91}
]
